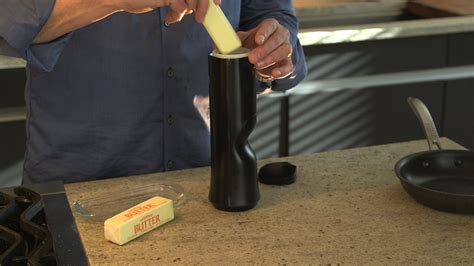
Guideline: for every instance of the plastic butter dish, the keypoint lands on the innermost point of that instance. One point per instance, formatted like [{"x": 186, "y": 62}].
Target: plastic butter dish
[{"x": 101, "y": 208}]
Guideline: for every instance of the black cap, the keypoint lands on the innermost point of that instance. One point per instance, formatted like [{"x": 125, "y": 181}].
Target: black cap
[{"x": 282, "y": 173}]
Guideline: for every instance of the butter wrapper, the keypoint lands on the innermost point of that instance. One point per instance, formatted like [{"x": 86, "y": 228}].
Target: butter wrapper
[{"x": 138, "y": 220}]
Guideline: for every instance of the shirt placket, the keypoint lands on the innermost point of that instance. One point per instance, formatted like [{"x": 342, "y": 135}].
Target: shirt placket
[{"x": 170, "y": 84}]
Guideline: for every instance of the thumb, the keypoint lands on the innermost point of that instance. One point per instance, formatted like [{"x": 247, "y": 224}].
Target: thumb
[{"x": 173, "y": 16}]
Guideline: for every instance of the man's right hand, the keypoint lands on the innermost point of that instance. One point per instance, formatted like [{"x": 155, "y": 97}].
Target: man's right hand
[
  {"x": 178, "y": 8},
  {"x": 70, "y": 15}
]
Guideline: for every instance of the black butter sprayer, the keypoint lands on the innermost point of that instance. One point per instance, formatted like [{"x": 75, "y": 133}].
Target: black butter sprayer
[{"x": 234, "y": 183}]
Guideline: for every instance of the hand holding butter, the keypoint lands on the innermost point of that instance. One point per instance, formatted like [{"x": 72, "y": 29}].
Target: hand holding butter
[
  {"x": 181, "y": 8},
  {"x": 220, "y": 30},
  {"x": 269, "y": 43}
]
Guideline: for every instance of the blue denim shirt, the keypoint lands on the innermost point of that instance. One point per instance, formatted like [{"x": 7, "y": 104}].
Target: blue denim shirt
[{"x": 115, "y": 98}]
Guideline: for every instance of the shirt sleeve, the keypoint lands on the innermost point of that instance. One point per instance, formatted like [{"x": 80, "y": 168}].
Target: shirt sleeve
[
  {"x": 20, "y": 22},
  {"x": 255, "y": 11}
]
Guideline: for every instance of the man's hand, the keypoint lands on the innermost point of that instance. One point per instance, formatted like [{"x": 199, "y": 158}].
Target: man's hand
[
  {"x": 70, "y": 15},
  {"x": 178, "y": 8},
  {"x": 270, "y": 48}
]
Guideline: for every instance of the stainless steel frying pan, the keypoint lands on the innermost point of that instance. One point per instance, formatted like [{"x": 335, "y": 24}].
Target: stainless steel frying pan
[{"x": 440, "y": 179}]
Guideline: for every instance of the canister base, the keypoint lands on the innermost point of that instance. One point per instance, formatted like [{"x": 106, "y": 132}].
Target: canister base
[{"x": 235, "y": 208}]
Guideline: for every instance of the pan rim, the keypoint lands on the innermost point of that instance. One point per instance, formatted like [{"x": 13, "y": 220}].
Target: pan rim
[{"x": 400, "y": 163}]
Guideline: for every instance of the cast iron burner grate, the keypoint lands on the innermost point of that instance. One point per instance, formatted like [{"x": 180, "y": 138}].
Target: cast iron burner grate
[
  {"x": 24, "y": 234},
  {"x": 25, "y": 238}
]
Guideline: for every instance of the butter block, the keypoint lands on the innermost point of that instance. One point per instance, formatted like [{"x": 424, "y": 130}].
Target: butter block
[
  {"x": 138, "y": 220},
  {"x": 220, "y": 30}
]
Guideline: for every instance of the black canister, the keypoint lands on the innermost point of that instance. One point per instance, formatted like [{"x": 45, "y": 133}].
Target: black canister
[{"x": 234, "y": 183}]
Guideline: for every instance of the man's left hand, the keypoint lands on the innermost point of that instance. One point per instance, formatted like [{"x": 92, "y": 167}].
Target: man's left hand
[{"x": 270, "y": 48}]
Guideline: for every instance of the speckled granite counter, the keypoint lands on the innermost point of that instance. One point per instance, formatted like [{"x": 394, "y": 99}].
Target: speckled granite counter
[
  {"x": 371, "y": 20},
  {"x": 346, "y": 207},
  {"x": 386, "y": 30},
  {"x": 11, "y": 62}
]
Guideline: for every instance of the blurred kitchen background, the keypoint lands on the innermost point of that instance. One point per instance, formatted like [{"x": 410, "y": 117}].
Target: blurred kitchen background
[{"x": 365, "y": 58}]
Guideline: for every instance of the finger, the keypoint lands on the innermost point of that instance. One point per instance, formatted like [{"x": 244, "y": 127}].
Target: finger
[
  {"x": 173, "y": 17},
  {"x": 177, "y": 12},
  {"x": 201, "y": 10},
  {"x": 218, "y": 2},
  {"x": 191, "y": 4},
  {"x": 178, "y": 6},
  {"x": 245, "y": 38},
  {"x": 283, "y": 69},
  {"x": 139, "y": 11},
  {"x": 265, "y": 30},
  {"x": 277, "y": 55},
  {"x": 259, "y": 56}
]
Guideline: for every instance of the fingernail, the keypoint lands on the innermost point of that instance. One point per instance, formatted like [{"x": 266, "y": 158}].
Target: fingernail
[
  {"x": 260, "y": 64},
  {"x": 277, "y": 72},
  {"x": 261, "y": 39}
]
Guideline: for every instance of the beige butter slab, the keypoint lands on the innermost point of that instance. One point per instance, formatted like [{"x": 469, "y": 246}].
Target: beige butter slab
[{"x": 138, "y": 220}]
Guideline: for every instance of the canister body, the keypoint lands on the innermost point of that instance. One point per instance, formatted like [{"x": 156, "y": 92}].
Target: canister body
[{"x": 234, "y": 184}]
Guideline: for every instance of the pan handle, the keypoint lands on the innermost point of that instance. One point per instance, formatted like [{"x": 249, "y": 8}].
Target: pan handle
[{"x": 426, "y": 121}]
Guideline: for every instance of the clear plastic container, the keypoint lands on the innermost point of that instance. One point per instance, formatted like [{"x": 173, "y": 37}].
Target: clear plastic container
[{"x": 101, "y": 208}]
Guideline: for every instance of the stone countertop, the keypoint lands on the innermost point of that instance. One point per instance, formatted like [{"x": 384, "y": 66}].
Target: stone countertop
[
  {"x": 334, "y": 7},
  {"x": 321, "y": 24},
  {"x": 386, "y": 30},
  {"x": 7, "y": 62},
  {"x": 346, "y": 207}
]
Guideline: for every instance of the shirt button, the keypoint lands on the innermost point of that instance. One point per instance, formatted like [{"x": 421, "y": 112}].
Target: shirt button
[
  {"x": 170, "y": 165},
  {"x": 170, "y": 120},
  {"x": 170, "y": 72}
]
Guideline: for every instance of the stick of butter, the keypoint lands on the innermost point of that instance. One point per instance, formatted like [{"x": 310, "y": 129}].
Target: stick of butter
[
  {"x": 220, "y": 30},
  {"x": 138, "y": 220}
]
